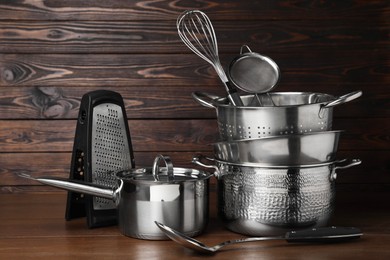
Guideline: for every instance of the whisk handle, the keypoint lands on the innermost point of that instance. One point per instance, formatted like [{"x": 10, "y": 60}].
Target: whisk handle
[{"x": 233, "y": 95}]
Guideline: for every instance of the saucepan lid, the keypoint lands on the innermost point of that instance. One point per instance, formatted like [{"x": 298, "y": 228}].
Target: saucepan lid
[{"x": 160, "y": 175}]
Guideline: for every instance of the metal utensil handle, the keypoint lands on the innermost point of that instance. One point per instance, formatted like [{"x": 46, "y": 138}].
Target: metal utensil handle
[
  {"x": 200, "y": 98},
  {"x": 344, "y": 99},
  {"x": 168, "y": 164},
  {"x": 325, "y": 234},
  {"x": 76, "y": 186},
  {"x": 245, "y": 46},
  {"x": 233, "y": 95}
]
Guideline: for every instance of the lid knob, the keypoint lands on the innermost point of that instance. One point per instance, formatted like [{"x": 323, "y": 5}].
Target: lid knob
[{"x": 168, "y": 164}]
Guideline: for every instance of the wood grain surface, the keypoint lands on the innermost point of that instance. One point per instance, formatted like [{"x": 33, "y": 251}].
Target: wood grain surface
[
  {"x": 33, "y": 227},
  {"x": 53, "y": 52}
]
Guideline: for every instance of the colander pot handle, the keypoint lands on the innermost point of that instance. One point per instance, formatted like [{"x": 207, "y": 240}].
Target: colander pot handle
[
  {"x": 340, "y": 100},
  {"x": 200, "y": 97},
  {"x": 344, "y": 99}
]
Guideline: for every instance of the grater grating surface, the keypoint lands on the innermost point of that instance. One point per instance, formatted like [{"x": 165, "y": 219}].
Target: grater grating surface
[
  {"x": 102, "y": 146},
  {"x": 110, "y": 151}
]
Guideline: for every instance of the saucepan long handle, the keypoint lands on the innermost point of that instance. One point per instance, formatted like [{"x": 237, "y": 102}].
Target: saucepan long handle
[{"x": 76, "y": 186}]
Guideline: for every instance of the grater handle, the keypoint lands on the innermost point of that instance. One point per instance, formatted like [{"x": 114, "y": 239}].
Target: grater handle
[{"x": 76, "y": 186}]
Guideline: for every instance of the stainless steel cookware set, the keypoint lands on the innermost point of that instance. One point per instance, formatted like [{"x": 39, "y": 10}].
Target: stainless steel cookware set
[
  {"x": 276, "y": 165},
  {"x": 276, "y": 158},
  {"x": 275, "y": 161}
]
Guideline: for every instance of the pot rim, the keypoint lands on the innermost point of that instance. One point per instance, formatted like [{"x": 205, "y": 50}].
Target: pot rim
[
  {"x": 217, "y": 101},
  {"x": 272, "y": 166}
]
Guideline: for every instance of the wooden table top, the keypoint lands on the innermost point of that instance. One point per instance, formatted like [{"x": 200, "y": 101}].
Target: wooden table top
[{"x": 33, "y": 226}]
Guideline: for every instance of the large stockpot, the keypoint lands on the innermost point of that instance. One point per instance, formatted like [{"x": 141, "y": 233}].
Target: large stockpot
[
  {"x": 292, "y": 113},
  {"x": 177, "y": 197},
  {"x": 292, "y": 149},
  {"x": 259, "y": 201}
]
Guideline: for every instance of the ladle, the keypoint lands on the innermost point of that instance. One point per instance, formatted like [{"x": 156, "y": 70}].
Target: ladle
[{"x": 318, "y": 235}]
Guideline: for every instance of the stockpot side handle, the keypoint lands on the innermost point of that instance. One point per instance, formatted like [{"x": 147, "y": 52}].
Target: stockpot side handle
[
  {"x": 201, "y": 98},
  {"x": 197, "y": 160},
  {"x": 349, "y": 163},
  {"x": 344, "y": 99}
]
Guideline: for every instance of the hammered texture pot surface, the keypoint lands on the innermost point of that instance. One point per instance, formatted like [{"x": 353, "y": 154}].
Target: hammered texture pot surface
[{"x": 260, "y": 201}]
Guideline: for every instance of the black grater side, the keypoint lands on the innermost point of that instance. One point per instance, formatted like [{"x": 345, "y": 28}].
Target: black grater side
[{"x": 102, "y": 145}]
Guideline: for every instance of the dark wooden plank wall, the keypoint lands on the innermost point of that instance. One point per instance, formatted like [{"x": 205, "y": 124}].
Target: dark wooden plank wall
[{"x": 52, "y": 52}]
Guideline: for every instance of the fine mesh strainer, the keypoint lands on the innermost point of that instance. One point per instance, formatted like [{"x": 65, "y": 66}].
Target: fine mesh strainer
[
  {"x": 254, "y": 73},
  {"x": 102, "y": 146}
]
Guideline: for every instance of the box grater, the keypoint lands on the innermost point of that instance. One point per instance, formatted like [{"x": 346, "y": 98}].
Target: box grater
[{"x": 102, "y": 145}]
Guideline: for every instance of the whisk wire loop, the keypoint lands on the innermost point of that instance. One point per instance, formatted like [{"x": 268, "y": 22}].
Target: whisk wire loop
[{"x": 196, "y": 31}]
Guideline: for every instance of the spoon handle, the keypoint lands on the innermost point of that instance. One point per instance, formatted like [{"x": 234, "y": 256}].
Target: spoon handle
[{"x": 323, "y": 235}]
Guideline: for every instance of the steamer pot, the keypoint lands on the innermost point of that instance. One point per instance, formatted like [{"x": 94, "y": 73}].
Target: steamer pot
[
  {"x": 292, "y": 113},
  {"x": 262, "y": 201},
  {"x": 292, "y": 149},
  {"x": 175, "y": 196}
]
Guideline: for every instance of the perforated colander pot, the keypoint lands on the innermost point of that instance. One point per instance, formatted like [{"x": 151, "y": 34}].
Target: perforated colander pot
[{"x": 293, "y": 113}]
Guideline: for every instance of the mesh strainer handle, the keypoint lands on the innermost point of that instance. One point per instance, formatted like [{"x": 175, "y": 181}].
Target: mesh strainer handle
[{"x": 247, "y": 48}]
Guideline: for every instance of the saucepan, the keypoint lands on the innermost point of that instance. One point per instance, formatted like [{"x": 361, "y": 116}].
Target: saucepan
[
  {"x": 291, "y": 150},
  {"x": 292, "y": 113},
  {"x": 265, "y": 200},
  {"x": 176, "y": 196}
]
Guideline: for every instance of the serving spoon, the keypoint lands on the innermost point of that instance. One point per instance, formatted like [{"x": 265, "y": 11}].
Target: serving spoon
[{"x": 318, "y": 235}]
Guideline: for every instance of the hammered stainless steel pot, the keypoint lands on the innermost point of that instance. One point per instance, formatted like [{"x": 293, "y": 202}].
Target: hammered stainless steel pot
[
  {"x": 175, "y": 196},
  {"x": 292, "y": 113},
  {"x": 292, "y": 149},
  {"x": 261, "y": 201}
]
